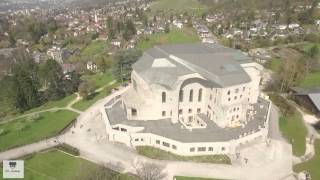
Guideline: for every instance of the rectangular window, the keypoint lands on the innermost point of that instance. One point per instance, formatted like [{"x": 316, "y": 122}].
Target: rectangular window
[
  {"x": 164, "y": 97},
  {"x": 191, "y": 95},
  {"x": 192, "y": 149},
  {"x": 123, "y": 129},
  {"x": 190, "y": 111},
  {"x": 136, "y": 140},
  {"x": 165, "y": 144},
  {"x": 133, "y": 112},
  {"x": 198, "y": 110},
  {"x": 157, "y": 141},
  {"x": 200, "y": 95},
  {"x": 180, "y": 111},
  {"x": 201, "y": 149},
  {"x": 210, "y": 149},
  {"x": 181, "y": 96},
  {"x": 163, "y": 113}
]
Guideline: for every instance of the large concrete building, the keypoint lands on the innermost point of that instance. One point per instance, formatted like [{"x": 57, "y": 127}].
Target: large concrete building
[{"x": 190, "y": 99}]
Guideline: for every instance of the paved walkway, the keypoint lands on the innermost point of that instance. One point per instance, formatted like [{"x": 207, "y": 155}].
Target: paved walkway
[{"x": 30, "y": 148}]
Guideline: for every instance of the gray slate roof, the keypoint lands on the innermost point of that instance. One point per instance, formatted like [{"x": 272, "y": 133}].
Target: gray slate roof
[{"x": 216, "y": 63}]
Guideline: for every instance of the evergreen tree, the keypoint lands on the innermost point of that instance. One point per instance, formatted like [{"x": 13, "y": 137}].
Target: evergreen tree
[
  {"x": 54, "y": 80},
  {"x": 123, "y": 62}
]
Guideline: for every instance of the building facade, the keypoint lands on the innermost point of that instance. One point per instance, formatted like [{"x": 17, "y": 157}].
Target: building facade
[{"x": 188, "y": 95}]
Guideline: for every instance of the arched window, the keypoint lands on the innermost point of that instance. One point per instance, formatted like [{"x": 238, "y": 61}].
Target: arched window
[
  {"x": 181, "y": 96},
  {"x": 191, "y": 95},
  {"x": 164, "y": 98},
  {"x": 200, "y": 95}
]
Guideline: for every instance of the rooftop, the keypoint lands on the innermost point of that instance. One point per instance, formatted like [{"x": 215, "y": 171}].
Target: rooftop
[{"x": 166, "y": 63}]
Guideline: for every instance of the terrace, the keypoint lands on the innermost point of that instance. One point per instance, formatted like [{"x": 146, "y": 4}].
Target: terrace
[{"x": 257, "y": 120}]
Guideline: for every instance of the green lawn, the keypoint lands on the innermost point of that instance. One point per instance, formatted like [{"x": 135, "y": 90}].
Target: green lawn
[
  {"x": 193, "y": 7},
  {"x": 274, "y": 64},
  {"x": 293, "y": 130},
  {"x": 25, "y": 131},
  {"x": 94, "y": 49},
  {"x": 51, "y": 104},
  {"x": 99, "y": 79},
  {"x": 192, "y": 178},
  {"x": 291, "y": 125},
  {"x": 155, "y": 153},
  {"x": 56, "y": 165},
  {"x": 313, "y": 165},
  {"x": 185, "y": 35},
  {"x": 83, "y": 104},
  {"x": 311, "y": 80}
]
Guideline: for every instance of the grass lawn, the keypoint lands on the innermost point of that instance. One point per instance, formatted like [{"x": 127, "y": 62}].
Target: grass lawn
[
  {"x": 155, "y": 153},
  {"x": 95, "y": 48},
  {"x": 83, "y": 104},
  {"x": 313, "y": 165},
  {"x": 184, "y": 35},
  {"x": 293, "y": 130},
  {"x": 274, "y": 64},
  {"x": 193, "y": 7},
  {"x": 311, "y": 80},
  {"x": 192, "y": 178},
  {"x": 56, "y": 165},
  {"x": 51, "y": 104},
  {"x": 99, "y": 79},
  {"x": 25, "y": 131},
  {"x": 291, "y": 125}
]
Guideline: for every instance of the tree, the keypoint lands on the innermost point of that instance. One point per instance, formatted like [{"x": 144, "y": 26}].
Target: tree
[
  {"x": 154, "y": 19},
  {"x": 292, "y": 71},
  {"x": 71, "y": 83},
  {"x": 24, "y": 87},
  {"x": 52, "y": 75},
  {"x": 171, "y": 18},
  {"x": 149, "y": 171},
  {"x": 123, "y": 61},
  {"x": 167, "y": 28},
  {"x": 103, "y": 63},
  {"x": 314, "y": 51},
  {"x": 110, "y": 22},
  {"x": 145, "y": 20},
  {"x": 130, "y": 30},
  {"x": 86, "y": 88}
]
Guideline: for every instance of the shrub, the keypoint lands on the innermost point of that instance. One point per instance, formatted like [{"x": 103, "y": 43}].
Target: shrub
[
  {"x": 3, "y": 132},
  {"x": 34, "y": 117},
  {"x": 285, "y": 108}
]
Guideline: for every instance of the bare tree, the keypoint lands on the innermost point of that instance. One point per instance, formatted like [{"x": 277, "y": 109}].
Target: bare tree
[{"x": 149, "y": 171}]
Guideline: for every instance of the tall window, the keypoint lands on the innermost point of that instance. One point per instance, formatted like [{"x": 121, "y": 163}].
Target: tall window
[
  {"x": 133, "y": 112},
  {"x": 164, "y": 98},
  {"x": 200, "y": 95},
  {"x": 191, "y": 95},
  {"x": 181, "y": 96}
]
